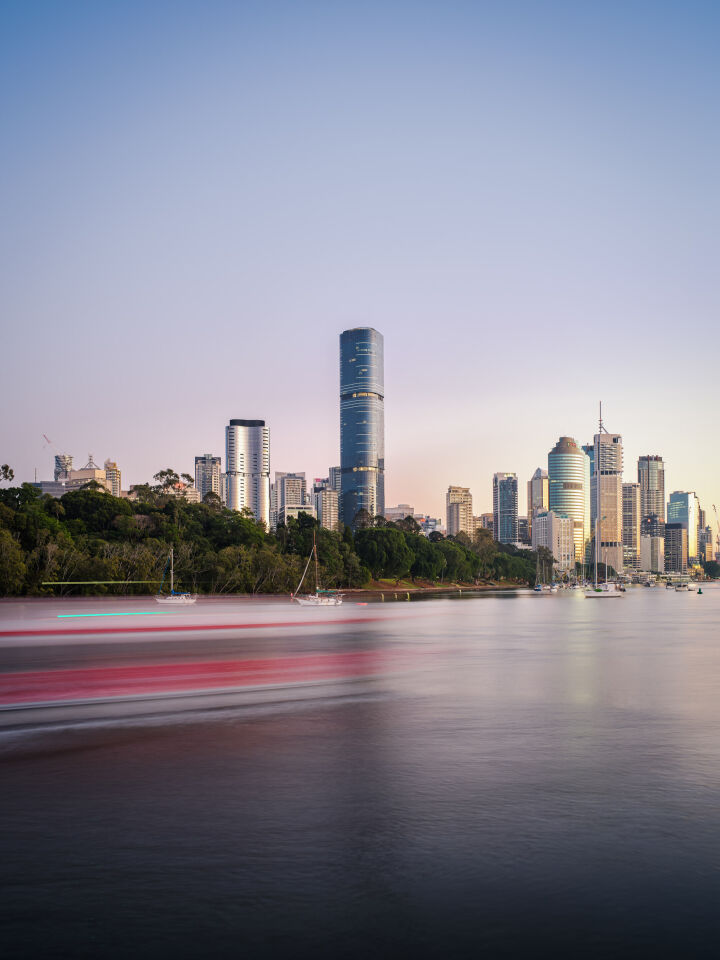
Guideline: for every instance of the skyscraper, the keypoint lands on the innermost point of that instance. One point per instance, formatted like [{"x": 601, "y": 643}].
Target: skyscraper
[
  {"x": 683, "y": 507},
  {"x": 208, "y": 477},
  {"x": 537, "y": 494},
  {"x": 247, "y": 465},
  {"x": 362, "y": 424},
  {"x": 607, "y": 467},
  {"x": 569, "y": 490},
  {"x": 651, "y": 477},
  {"x": 288, "y": 490},
  {"x": 631, "y": 525},
  {"x": 505, "y": 507},
  {"x": 676, "y": 548},
  {"x": 63, "y": 465},
  {"x": 458, "y": 511}
]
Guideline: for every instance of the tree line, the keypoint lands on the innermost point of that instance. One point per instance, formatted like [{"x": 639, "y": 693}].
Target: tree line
[{"x": 88, "y": 542}]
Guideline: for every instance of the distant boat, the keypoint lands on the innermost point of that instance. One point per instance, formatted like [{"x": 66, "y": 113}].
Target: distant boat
[
  {"x": 173, "y": 598},
  {"x": 321, "y": 598}
]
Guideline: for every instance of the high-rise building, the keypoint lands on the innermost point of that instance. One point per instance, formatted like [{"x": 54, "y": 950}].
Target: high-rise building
[
  {"x": 399, "y": 512},
  {"x": 288, "y": 490},
  {"x": 651, "y": 477},
  {"x": 524, "y": 531},
  {"x": 334, "y": 478},
  {"x": 63, "y": 466},
  {"x": 458, "y": 510},
  {"x": 631, "y": 525},
  {"x": 90, "y": 473},
  {"x": 652, "y": 526},
  {"x": 607, "y": 467},
  {"x": 325, "y": 499},
  {"x": 505, "y": 507},
  {"x": 208, "y": 475},
  {"x": 569, "y": 490},
  {"x": 247, "y": 465},
  {"x": 538, "y": 494},
  {"x": 557, "y": 534},
  {"x": 113, "y": 478},
  {"x": 652, "y": 553},
  {"x": 362, "y": 424},
  {"x": 676, "y": 548},
  {"x": 683, "y": 507}
]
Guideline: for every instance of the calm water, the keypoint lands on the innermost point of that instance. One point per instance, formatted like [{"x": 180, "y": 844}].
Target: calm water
[{"x": 533, "y": 775}]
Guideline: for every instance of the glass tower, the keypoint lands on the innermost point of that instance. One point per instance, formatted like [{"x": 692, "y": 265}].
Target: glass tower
[
  {"x": 362, "y": 424},
  {"x": 505, "y": 507},
  {"x": 247, "y": 459},
  {"x": 569, "y": 493},
  {"x": 651, "y": 477}
]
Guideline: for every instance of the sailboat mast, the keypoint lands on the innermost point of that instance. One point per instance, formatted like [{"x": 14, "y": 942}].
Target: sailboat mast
[
  {"x": 172, "y": 569},
  {"x": 316, "y": 562},
  {"x": 597, "y": 498}
]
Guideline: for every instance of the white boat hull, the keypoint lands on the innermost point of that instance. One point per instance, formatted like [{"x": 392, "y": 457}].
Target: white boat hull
[
  {"x": 180, "y": 600},
  {"x": 314, "y": 600}
]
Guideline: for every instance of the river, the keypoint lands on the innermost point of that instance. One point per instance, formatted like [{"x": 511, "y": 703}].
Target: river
[{"x": 505, "y": 775}]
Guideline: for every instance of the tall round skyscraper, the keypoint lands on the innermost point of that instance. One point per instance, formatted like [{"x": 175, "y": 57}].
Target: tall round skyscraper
[
  {"x": 362, "y": 424},
  {"x": 569, "y": 490},
  {"x": 247, "y": 467}
]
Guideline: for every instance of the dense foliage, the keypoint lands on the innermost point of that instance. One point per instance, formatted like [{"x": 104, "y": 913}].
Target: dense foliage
[{"x": 89, "y": 536}]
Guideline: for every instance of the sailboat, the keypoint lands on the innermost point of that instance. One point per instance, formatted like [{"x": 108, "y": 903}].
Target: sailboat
[
  {"x": 600, "y": 589},
  {"x": 321, "y": 598},
  {"x": 176, "y": 599}
]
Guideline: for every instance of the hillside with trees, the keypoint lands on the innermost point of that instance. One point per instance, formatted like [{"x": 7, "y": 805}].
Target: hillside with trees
[{"x": 75, "y": 544}]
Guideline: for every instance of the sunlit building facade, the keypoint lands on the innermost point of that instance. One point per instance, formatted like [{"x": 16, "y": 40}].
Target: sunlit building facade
[
  {"x": 247, "y": 463},
  {"x": 651, "y": 477},
  {"x": 676, "y": 548},
  {"x": 569, "y": 490},
  {"x": 631, "y": 520},
  {"x": 607, "y": 468},
  {"x": 538, "y": 494},
  {"x": 683, "y": 507},
  {"x": 208, "y": 475},
  {"x": 362, "y": 424},
  {"x": 557, "y": 534},
  {"x": 459, "y": 511}
]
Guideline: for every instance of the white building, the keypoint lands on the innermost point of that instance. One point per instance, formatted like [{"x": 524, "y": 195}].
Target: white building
[
  {"x": 113, "y": 478},
  {"x": 289, "y": 489},
  {"x": 652, "y": 554},
  {"x": 208, "y": 475},
  {"x": 458, "y": 510},
  {"x": 399, "y": 512},
  {"x": 325, "y": 501},
  {"x": 557, "y": 534},
  {"x": 247, "y": 462}
]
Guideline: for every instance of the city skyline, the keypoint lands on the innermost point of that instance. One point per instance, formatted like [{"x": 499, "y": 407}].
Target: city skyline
[{"x": 292, "y": 177}]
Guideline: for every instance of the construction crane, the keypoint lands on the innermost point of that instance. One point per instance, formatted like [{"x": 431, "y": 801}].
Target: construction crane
[{"x": 63, "y": 461}]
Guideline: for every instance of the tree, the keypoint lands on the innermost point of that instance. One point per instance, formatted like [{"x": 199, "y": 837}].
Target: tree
[
  {"x": 166, "y": 479},
  {"x": 384, "y": 551},
  {"x": 211, "y": 499},
  {"x": 408, "y": 525},
  {"x": 12, "y": 565},
  {"x": 6, "y": 473}
]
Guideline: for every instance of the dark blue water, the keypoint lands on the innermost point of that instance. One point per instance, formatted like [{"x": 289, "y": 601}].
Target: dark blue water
[{"x": 543, "y": 779}]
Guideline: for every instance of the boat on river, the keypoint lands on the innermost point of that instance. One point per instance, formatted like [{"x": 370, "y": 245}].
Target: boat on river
[
  {"x": 174, "y": 598},
  {"x": 321, "y": 598}
]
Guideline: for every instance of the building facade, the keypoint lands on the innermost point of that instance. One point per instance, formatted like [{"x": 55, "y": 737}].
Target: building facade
[
  {"x": 557, "y": 534},
  {"x": 607, "y": 468},
  {"x": 505, "y": 507},
  {"x": 683, "y": 507},
  {"x": 458, "y": 511},
  {"x": 63, "y": 466},
  {"x": 402, "y": 510},
  {"x": 113, "y": 478},
  {"x": 569, "y": 490},
  {"x": 676, "y": 548},
  {"x": 631, "y": 520},
  {"x": 208, "y": 475},
  {"x": 362, "y": 424},
  {"x": 538, "y": 494},
  {"x": 289, "y": 489},
  {"x": 325, "y": 501},
  {"x": 651, "y": 477},
  {"x": 652, "y": 553},
  {"x": 247, "y": 465}
]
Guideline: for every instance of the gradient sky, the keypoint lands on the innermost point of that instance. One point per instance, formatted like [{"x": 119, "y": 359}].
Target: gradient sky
[{"x": 522, "y": 197}]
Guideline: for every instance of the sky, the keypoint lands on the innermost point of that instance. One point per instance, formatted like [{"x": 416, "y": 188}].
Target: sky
[{"x": 197, "y": 198}]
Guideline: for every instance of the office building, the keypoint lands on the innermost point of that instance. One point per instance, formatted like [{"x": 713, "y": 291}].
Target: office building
[
  {"x": 652, "y": 553},
  {"x": 676, "y": 548},
  {"x": 652, "y": 526},
  {"x": 524, "y": 531},
  {"x": 538, "y": 494},
  {"x": 247, "y": 465},
  {"x": 429, "y": 525},
  {"x": 91, "y": 472},
  {"x": 706, "y": 550},
  {"x": 505, "y": 507},
  {"x": 289, "y": 489},
  {"x": 606, "y": 468},
  {"x": 325, "y": 501},
  {"x": 63, "y": 466},
  {"x": 651, "y": 477},
  {"x": 362, "y": 424},
  {"x": 569, "y": 490},
  {"x": 631, "y": 521},
  {"x": 208, "y": 475},
  {"x": 458, "y": 510},
  {"x": 291, "y": 511},
  {"x": 683, "y": 507},
  {"x": 334, "y": 477},
  {"x": 399, "y": 512},
  {"x": 557, "y": 534}
]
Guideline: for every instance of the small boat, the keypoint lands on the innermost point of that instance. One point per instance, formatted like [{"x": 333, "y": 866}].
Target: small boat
[
  {"x": 321, "y": 598},
  {"x": 603, "y": 590},
  {"x": 173, "y": 598},
  {"x": 692, "y": 586},
  {"x": 681, "y": 587},
  {"x": 538, "y": 588}
]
